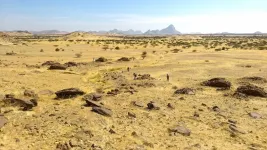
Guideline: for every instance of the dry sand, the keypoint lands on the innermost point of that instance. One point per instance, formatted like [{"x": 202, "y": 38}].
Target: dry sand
[{"x": 69, "y": 121}]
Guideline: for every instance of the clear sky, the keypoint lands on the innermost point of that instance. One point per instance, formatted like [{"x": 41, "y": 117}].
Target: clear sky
[{"x": 186, "y": 15}]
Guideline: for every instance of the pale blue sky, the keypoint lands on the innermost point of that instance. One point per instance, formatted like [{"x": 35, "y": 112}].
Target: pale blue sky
[{"x": 186, "y": 15}]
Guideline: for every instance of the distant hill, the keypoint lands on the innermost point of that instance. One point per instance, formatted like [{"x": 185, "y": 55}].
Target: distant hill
[
  {"x": 49, "y": 32},
  {"x": 118, "y": 32},
  {"x": 18, "y": 33},
  {"x": 6, "y": 39},
  {"x": 170, "y": 30}
]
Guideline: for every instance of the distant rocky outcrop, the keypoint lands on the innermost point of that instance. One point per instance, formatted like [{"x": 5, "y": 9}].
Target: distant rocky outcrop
[
  {"x": 170, "y": 30},
  {"x": 49, "y": 32}
]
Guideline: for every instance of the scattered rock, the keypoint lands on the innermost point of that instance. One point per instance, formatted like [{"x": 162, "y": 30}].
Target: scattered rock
[
  {"x": 255, "y": 115},
  {"x": 138, "y": 104},
  {"x": 25, "y": 103},
  {"x": 71, "y": 64},
  {"x": 90, "y": 103},
  {"x": 113, "y": 92},
  {"x": 218, "y": 82},
  {"x": 3, "y": 121},
  {"x": 30, "y": 93},
  {"x": 144, "y": 77},
  {"x": 251, "y": 90},
  {"x": 188, "y": 91},
  {"x": 240, "y": 95},
  {"x": 57, "y": 67},
  {"x": 112, "y": 131},
  {"x": 181, "y": 130},
  {"x": 216, "y": 108},
  {"x": 233, "y": 128},
  {"x": 152, "y": 105},
  {"x": 124, "y": 59},
  {"x": 130, "y": 114},
  {"x": 49, "y": 63},
  {"x": 232, "y": 121},
  {"x": 170, "y": 106},
  {"x": 69, "y": 93},
  {"x": 102, "y": 111},
  {"x": 92, "y": 97},
  {"x": 101, "y": 59}
]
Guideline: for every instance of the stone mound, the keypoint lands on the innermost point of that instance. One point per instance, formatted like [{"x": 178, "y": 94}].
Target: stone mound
[
  {"x": 251, "y": 90},
  {"x": 218, "y": 82},
  {"x": 69, "y": 93}
]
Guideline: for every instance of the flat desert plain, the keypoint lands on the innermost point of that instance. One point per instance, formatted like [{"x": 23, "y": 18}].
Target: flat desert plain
[{"x": 84, "y": 91}]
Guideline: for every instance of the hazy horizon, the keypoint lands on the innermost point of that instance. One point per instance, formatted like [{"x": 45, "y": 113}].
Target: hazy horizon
[{"x": 207, "y": 16}]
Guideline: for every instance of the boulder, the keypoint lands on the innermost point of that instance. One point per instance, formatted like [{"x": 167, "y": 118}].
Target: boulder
[
  {"x": 23, "y": 102},
  {"x": 69, "y": 93},
  {"x": 251, "y": 90},
  {"x": 218, "y": 82},
  {"x": 102, "y": 111},
  {"x": 101, "y": 59},
  {"x": 57, "y": 67}
]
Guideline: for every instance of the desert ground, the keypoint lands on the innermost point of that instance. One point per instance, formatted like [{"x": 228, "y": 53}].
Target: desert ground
[{"x": 110, "y": 109}]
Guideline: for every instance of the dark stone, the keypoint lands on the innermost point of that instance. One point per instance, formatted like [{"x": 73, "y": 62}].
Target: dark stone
[
  {"x": 252, "y": 90},
  {"x": 69, "y": 93},
  {"x": 101, "y": 59},
  {"x": 130, "y": 114},
  {"x": 71, "y": 64},
  {"x": 90, "y": 103},
  {"x": 216, "y": 108},
  {"x": 124, "y": 59},
  {"x": 49, "y": 63},
  {"x": 26, "y": 104},
  {"x": 188, "y": 91},
  {"x": 218, "y": 82},
  {"x": 102, "y": 111},
  {"x": 57, "y": 67},
  {"x": 152, "y": 105}
]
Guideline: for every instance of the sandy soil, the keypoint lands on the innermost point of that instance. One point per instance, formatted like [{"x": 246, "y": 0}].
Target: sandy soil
[{"x": 57, "y": 122}]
